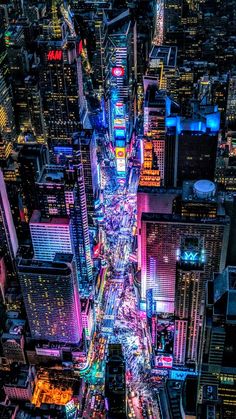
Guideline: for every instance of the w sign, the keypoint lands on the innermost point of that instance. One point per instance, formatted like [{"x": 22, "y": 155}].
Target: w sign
[{"x": 190, "y": 256}]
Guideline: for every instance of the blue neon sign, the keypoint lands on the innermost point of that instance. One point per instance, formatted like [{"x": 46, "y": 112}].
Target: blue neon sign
[{"x": 191, "y": 256}]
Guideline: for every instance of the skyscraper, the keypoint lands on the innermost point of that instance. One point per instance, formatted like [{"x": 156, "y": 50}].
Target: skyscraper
[
  {"x": 150, "y": 173},
  {"x": 231, "y": 103},
  {"x": 153, "y": 200},
  {"x": 115, "y": 386},
  {"x": 87, "y": 141},
  {"x": 161, "y": 236},
  {"x": 156, "y": 109},
  {"x": 31, "y": 158},
  {"x": 51, "y": 298},
  {"x": 61, "y": 88},
  {"x": 217, "y": 370},
  {"x": 162, "y": 64},
  {"x": 189, "y": 290},
  {"x": 50, "y": 236},
  {"x": 61, "y": 191},
  {"x": 191, "y": 145},
  {"x": 8, "y": 238},
  {"x": 7, "y": 120}
]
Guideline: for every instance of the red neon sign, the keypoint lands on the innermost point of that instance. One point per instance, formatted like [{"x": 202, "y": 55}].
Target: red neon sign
[
  {"x": 120, "y": 154},
  {"x": 54, "y": 55},
  {"x": 118, "y": 71}
]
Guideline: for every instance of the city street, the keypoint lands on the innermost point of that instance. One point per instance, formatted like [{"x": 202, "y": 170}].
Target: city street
[{"x": 119, "y": 319}]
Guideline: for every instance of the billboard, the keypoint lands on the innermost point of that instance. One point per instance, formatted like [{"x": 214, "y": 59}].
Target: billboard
[
  {"x": 120, "y": 143},
  {"x": 120, "y": 152},
  {"x": 119, "y": 123},
  {"x": 119, "y": 133},
  {"x": 163, "y": 361},
  {"x": 119, "y": 109},
  {"x": 120, "y": 164},
  {"x": 55, "y": 353},
  {"x": 118, "y": 71}
]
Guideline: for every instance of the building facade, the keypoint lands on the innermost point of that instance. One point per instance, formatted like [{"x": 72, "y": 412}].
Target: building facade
[{"x": 51, "y": 298}]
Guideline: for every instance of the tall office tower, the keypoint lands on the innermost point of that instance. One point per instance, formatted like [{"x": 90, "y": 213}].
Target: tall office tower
[
  {"x": 214, "y": 90},
  {"x": 61, "y": 192},
  {"x": 50, "y": 236},
  {"x": 153, "y": 200},
  {"x": 185, "y": 85},
  {"x": 119, "y": 83},
  {"x": 156, "y": 109},
  {"x": 14, "y": 192},
  {"x": 34, "y": 104},
  {"x": 51, "y": 299},
  {"x": 7, "y": 122},
  {"x": 61, "y": 85},
  {"x": 79, "y": 217},
  {"x": 161, "y": 236},
  {"x": 150, "y": 173},
  {"x": 90, "y": 17},
  {"x": 191, "y": 145},
  {"x": 217, "y": 369},
  {"x": 87, "y": 141},
  {"x": 4, "y": 21},
  {"x": 31, "y": 158},
  {"x": 51, "y": 192},
  {"x": 18, "y": 66},
  {"x": 172, "y": 15},
  {"x": 231, "y": 104},
  {"x": 189, "y": 291},
  {"x": 5, "y": 151},
  {"x": 8, "y": 238},
  {"x": 115, "y": 386},
  {"x": 194, "y": 4},
  {"x": 162, "y": 64}
]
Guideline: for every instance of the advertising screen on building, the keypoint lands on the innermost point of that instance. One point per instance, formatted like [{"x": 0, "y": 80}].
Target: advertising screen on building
[
  {"x": 118, "y": 71},
  {"x": 119, "y": 123},
  {"x": 120, "y": 152},
  {"x": 163, "y": 361},
  {"x": 120, "y": 143},
  {"x": 119, "y": 109},
  {"x": 119, "y": 133},
  {"x": 120, "y": 164}
]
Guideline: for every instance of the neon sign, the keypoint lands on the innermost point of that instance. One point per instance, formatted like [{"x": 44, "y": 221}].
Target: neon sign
[
  {"x": 54, "y": 55},
  {"x": 192, "y": 256},
  {"x": 118, "y": 71}
]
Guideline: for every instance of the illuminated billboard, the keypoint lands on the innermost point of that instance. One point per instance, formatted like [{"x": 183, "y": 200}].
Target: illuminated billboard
[
  {"x": 119, "y": 109},
  {"x": 119, "y": 133},
  {"x": 118, "y": 71},
  {"x": 163, "y": 361},
  {"x": 96, "y": 250},
  {"x": 120, "y": 164},
  {"x": 54, "y": 55},
  {"x": 120, "y": 143},
  {"x": 120, "y": 152},
  {"x": 119, "y": 123}
]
